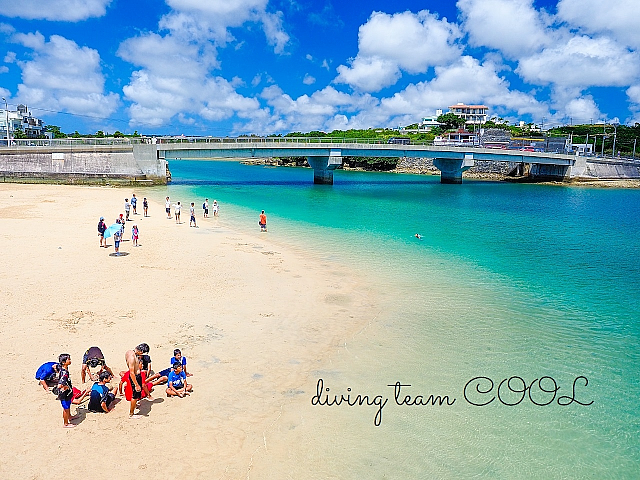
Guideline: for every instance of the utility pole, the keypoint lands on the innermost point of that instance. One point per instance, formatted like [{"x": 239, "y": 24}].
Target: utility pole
[
  {"x": 615, "y": 136},
  {"x": 634, "y": 148},
  {"x": 6, "y": 111}
]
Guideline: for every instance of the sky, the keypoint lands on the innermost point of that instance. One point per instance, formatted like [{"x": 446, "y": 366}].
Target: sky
[{"x": 235, "y": 67}]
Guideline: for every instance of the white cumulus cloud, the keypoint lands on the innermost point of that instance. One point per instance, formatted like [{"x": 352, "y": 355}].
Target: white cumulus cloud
[
  {"x": 63, "y": 76},
  {"x": 513, "y": 27},
  {"x": 211, "y": 20},
  {"x": 175, "y": 81},
  {"x": 54, "y": 10},
  {"x": 617, "y": 18},
  {"x": 389, "y": 44},
  {"x": 582, "y": 62}
]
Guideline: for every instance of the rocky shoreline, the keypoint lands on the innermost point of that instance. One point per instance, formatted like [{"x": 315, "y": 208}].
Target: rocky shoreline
[{"x": 483, "y": 170}]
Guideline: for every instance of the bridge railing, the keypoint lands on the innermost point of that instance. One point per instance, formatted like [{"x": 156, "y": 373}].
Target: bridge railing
[
  {"x": 281, "y": 140},
  {"x": 70, "y": 142},
  {"x": 127, "y": 141}
]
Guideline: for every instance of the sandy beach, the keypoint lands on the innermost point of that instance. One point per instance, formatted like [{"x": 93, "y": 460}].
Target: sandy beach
[{"x": 253, "y": 318}]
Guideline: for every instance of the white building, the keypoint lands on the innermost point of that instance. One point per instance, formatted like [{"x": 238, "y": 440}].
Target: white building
[
  {"x": 473, "y": 114},
  {"x": 428, "y": 123},
  {"x": 20, "y": 119}
]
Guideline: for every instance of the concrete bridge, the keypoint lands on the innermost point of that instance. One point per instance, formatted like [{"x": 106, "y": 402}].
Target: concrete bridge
[
  {"x": 146, "y": 159},
  {"x": 325, "y": 155}
]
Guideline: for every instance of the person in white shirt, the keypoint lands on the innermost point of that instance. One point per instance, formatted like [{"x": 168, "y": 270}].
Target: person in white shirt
[
  {"x": 192, "y": 211},
  {"x": 176, "y": 209},
  {"x": 167, "y": 205}
]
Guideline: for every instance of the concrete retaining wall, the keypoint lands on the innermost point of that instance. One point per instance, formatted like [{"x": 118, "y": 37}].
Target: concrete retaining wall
[
  {"x": 86, "y": 164},
  {"x": 606, "y": 170}
]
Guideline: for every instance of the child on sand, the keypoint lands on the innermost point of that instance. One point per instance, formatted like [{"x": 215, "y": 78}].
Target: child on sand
[
  {"x": 127, "y": 208},
  {"x": 205, "y": 207},
  {"x": 177, "y": 357},
  {"x": 65, "y": 390},
  {"x": 47, "y": 374},
  {"x": 134, "y": 235},
  {"x": 177, "y": 382},
  {"x": 216, "y": 208},
  {"x": 134, "y": 202},
  {"x": 117, "y": 236},
  {"x": 145, "y": 206},
  {"x": 101, "y": 397},
  {"x": 101, "y": 229}
]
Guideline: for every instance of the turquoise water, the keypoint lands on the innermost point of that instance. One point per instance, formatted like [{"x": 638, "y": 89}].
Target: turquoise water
[{"x": 508, "y": 279}]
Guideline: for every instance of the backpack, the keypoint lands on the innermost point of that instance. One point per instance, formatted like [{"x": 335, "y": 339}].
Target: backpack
[{"x": 203, "y": 206}]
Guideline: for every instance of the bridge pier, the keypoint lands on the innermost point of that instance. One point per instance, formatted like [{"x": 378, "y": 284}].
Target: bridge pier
[
  {"x": 323, "y": 167},
  {"x": 451, "y": 168}
]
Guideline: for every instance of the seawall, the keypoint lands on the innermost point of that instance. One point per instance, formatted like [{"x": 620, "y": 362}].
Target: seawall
[{"x": 86, "y": 164}]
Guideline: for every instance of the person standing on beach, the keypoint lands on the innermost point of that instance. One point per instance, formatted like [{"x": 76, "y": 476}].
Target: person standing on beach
[
  {"x": 134, "y": 202},
  {"x": 101, "y": 229},
  {"x": 263, "y": 222},
  {"x": 205, "y": 207},
  {"x": 215, "y": 208},
  {"x": 134, "y": 235},
  {"x": 192, "y": 211},
  {"x": 167, "y": 207},
  {"x": 65, "y": 390},
  {"x": 117, "y": 236},
  {"x": 177, "y": 208},
  {"x": 145, "y": 206},
  {"x": 127, "y": 208},
  {"x": 135, "y": 377}
]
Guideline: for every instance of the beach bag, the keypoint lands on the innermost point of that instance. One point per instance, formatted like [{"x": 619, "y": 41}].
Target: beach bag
[{"x": 62, "y": 395}]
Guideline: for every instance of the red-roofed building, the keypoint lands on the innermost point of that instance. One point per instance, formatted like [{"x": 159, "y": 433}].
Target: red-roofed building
[{"x": 473, "y": 114}]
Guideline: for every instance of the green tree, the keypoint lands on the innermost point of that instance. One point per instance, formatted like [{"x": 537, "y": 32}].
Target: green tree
[
  {"x": 55, "y": 130},
  {"x": 100, "y": 134},
  {"x": 118, "y": 134},
  {"x": 18, "y": 133},
  {"x": 451, "y": 121}
]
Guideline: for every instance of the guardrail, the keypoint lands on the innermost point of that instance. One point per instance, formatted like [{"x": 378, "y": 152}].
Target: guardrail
[
  {"x": 279, "y": 140},
  {"x": 78, "y": 142},
  {"x": 70, "y": 142}
]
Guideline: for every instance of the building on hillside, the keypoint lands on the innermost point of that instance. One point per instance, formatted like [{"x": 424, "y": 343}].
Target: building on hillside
[
  {"x": 473, "y": 114},
  {"x": 428, "y": 123},
  {"x": 460, "y": 138},
  {"x": 21, "y": 120},
  {"x": 425, "y": 125}
]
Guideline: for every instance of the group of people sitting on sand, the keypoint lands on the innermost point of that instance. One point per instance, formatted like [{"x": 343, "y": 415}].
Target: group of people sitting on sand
[{"x": 136, "y": 382}]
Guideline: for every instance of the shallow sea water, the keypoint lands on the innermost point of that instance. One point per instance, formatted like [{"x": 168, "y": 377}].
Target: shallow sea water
[{"x": 508, "y": 280}]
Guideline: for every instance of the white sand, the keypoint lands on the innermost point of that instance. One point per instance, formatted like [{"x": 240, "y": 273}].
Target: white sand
[{"x": 253, "y": 318}]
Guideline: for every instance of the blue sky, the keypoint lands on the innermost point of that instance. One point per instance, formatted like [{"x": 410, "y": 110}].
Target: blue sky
[{"x": 229, "y": 67}]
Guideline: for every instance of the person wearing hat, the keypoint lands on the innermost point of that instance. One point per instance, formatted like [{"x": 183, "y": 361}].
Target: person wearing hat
[{"x": 101, "y": 229}]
